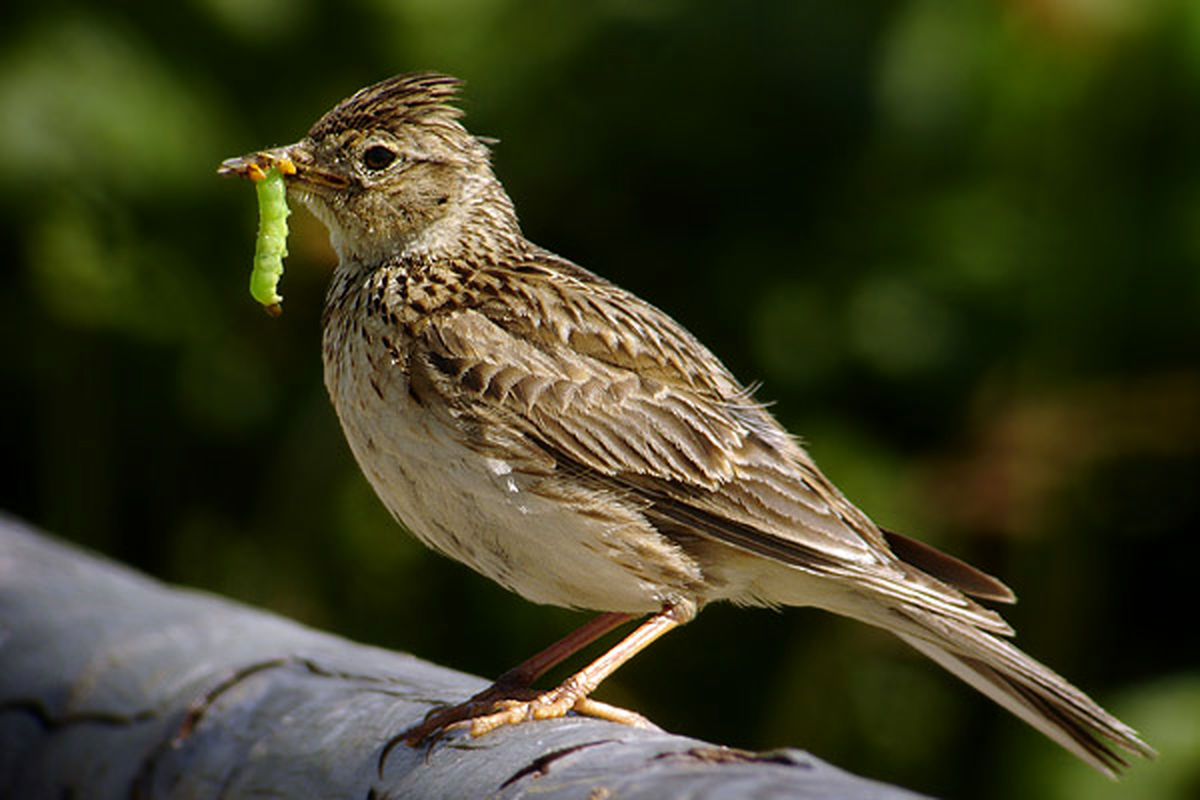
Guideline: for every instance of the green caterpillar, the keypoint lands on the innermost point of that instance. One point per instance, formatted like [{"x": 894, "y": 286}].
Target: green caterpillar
[{"x": 271, "y": 245}]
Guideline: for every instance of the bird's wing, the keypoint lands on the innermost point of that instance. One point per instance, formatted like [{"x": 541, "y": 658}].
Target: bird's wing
[{"x": 610, "y": 388}]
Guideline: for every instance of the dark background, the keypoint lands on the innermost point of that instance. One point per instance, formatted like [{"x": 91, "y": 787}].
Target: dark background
[{"x": 958, "y": 242}]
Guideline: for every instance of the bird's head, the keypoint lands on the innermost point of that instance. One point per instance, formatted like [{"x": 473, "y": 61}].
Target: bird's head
[{"x": 391, "y": 171}]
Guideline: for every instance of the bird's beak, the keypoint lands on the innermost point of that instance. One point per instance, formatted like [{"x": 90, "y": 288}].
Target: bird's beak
[{"x": 294, "y": 162}]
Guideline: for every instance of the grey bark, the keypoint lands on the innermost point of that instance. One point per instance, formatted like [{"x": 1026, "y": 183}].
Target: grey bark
[{"x": 113, "y": 685}]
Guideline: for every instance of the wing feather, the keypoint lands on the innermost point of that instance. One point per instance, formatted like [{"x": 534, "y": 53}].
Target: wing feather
[{"x": 615, "y": 391}]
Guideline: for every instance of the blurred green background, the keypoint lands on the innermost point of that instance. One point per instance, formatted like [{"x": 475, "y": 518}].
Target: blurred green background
[{"x": 958, "y": 242}]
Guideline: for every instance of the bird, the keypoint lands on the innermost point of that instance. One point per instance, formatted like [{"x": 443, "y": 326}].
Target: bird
[{"x": 573, "y": 443}]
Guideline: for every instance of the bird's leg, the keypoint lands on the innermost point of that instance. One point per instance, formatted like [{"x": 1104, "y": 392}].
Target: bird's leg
[
  {"x": 572, "y": 694},
  {"x": 507, "y": 702},
  {"x": 515, "y": 683},
  {"x": 528, "y": 671}
]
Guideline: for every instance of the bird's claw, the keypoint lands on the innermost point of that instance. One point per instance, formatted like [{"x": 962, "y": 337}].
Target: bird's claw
[{"x": 491, "y": 709}]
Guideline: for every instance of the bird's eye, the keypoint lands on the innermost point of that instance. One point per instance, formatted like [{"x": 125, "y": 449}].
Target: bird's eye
[{"x": 378, "y": 157}]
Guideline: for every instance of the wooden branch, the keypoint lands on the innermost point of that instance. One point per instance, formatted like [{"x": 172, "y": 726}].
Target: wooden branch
[{"x": 113, "y": 685}]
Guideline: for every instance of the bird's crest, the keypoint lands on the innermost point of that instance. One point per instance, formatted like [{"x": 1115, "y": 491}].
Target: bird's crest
[{"x": 418, "y": 97}]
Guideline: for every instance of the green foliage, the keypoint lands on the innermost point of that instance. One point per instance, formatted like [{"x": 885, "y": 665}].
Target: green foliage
[{"x": 959, "y": 243}]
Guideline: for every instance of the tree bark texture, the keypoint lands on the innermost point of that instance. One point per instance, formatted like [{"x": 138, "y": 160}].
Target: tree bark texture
[{"x": 113, "y": 685}]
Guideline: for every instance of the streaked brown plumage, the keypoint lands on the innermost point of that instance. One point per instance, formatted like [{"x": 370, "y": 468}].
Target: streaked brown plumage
[{"x": 573, "y": 443}]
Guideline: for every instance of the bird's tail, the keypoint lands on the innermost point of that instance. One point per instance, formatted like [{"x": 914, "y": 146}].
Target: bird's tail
[{"x": 1029, "y": 689}]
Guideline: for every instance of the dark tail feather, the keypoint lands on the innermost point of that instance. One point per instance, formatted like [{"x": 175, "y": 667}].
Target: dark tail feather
[
  {"x": 948, "y": 569},
  {"x": 1027, "y": 688}
]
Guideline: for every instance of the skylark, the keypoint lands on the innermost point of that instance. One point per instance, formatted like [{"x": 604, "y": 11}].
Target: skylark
[{"x": 576, "y": 445}]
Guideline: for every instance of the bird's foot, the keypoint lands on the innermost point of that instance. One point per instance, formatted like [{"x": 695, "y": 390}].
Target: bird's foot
[
  {"x": 500, "y": 705},
  {"x": 552, "y": 705}
]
